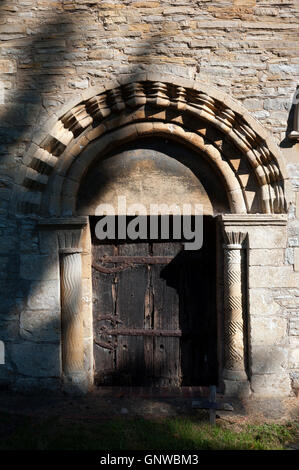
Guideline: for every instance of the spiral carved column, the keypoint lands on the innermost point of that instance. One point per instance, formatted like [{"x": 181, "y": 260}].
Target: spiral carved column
[
  {"x": 234, "y": 374},
  {"x": 72, "y": 344},
  {"x": 67, "y": 232},
  {"x": 71, "y": 321}
]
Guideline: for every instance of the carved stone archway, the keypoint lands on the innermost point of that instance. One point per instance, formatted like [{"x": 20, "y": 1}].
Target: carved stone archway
[
  {"x": 200, "y": 117},
  {"x": 190, "y": 111}
]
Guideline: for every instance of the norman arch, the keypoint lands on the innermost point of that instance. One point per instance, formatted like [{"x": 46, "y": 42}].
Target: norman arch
[
  {"x": 201, "y": 117},
  {"x": 215, "y": 130}
]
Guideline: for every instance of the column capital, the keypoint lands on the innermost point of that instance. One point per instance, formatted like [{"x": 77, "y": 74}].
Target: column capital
[
  {"x": 233, "y": 240},
  {"x": 69, "y": 231}
]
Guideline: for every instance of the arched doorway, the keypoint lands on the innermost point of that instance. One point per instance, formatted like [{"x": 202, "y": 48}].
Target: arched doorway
[
  {"x": 154, "y": 304},
  {"x": 227, "y": 162}
]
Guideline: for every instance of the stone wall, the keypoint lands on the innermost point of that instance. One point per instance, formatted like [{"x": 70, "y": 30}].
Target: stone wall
[{"x": 53, "y": 50}]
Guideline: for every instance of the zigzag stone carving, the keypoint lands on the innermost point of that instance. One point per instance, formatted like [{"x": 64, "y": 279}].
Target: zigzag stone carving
[
  {"x": 71, "y": 322},
  {"x": 71, "y": 315},
  {"x": 186, "y": 102},
  {"x": 234, "y": 355}
]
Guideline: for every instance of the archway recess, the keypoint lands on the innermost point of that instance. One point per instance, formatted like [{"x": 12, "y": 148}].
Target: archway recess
[{"x": 198, "y": 116}]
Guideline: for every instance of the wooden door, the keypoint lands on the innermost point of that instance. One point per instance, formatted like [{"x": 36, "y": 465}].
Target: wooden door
[{"x": 154, "y": 315}]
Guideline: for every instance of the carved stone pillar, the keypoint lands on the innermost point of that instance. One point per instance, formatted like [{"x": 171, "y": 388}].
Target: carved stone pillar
[
  {"x": 71, "y": 322},
  {"x": 69, "y": 233},
  {"x": 234, "y": 374}
]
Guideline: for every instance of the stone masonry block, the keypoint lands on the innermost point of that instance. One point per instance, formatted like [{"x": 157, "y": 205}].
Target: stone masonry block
[
  {"x": 268, "y": 331},
  {"x": 39, "y": 267},
  {"x": 44, "y": 295},
  {"x": 294, "y": 359},
  {"x": 7, "y": 66},
  {"x": 269, "y": 360},
  {"x": 272, "y": 276},
  {"x": 40, "y": 325},
  {"x": 36, "y": 360},
  {"x": 29, "y": 386},
  {"x": 267, "y": 237},
  {"x": 264, "y": 257},
  {"x": 262, "y": 302},
  {"x": 271, "y": 385},
  {"x": 296, "y": 259},
  {"x": 294, "y": 326}
]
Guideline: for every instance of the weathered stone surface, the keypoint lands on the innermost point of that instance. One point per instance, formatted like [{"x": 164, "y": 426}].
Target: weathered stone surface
[
  {"x": 269, "y": 360},
  {"x": 296, "y": 259},
  {"x": 243, "y": 47},
  {"x": 44, "y": 295},
  {"x": 40, "y": 325},
  {"x": 297, "y": 205},
  {"x": 266, "y": 276},
  {"x": 294, "y": 342},
  {"x": 287, "y": 298},
  {"x": 7, "y": 376},
  {"x": 262, "y": 302},
  {"x": 88, "y": 359},
  {"x": 237, "y": 389},
  {"x": 295, "y": 381},
  {"x": 48, "y": 242},
  {"x": 39, "y": 267},
  {"x": 289, "y": 256},
  {"x": 267, "y": 237},
  {"x": 28, "y": 240},
  {"x": 36, "y": 360},
  {"x": 294, "y": 241},
  {"x": 30, "y": 386},
  {"x": 9, "y": 330},
  {"x": 264, "y": 257},
  {"x": 294, "y": 325},
  {"x": 87, "y": 316},
  {"x": 7, "y": 66},
  {"x": 9, "y": 266},
  {"x": 271, "y": 385},
  {"x": 268, "y": 331},
  {"x": 294, "y": 358},
  {"x": 10, "y": 305}
]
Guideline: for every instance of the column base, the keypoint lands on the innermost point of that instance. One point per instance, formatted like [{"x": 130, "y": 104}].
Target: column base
[
  {"x": 236, "y": 383},
  {"x": 237, "y": 388},
  {"x": 76, "y": 383},
  {"x": 239, "y": 375}
]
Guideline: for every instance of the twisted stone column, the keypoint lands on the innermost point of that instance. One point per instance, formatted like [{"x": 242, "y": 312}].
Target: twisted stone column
[
  {"x": 71, "y": 313},
  {"x": 71, "y": 321},
  {"x": 68, "y": 232},
  {"x": 234, "y": 374}
]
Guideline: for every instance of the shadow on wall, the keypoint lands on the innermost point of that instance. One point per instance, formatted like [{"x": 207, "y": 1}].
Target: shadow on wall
[
  {"x": 26, "y": 262},
  {"x": 20, "y": 250}
]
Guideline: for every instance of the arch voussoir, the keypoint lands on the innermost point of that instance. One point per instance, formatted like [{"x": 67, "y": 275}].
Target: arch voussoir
[
  {"x": 143, "y": 107},
  {"x": 133, "y": 131}
]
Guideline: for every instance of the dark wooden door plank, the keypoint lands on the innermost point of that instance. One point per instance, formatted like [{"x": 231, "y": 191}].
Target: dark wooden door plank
[
  {"x": 162, "y": 288},
  {"x": 103, "y": 288},
  {"x": 132, "y": 288}
]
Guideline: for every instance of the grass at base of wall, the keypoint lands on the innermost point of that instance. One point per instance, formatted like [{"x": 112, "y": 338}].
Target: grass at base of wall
[{"x": 186, "y": 433}]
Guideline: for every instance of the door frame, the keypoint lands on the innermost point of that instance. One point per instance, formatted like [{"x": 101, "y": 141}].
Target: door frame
[{"x": 71, "y": 236}]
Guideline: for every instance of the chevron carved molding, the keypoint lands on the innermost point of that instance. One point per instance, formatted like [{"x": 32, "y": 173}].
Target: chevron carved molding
[{"x": 234, "y": 360}]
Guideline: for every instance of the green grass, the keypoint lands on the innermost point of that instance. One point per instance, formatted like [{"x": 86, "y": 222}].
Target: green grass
[{"x": 139, "y": 434}]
